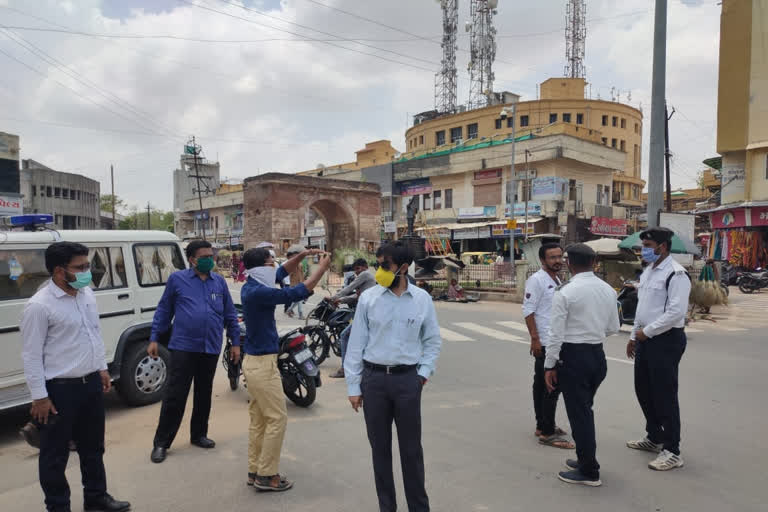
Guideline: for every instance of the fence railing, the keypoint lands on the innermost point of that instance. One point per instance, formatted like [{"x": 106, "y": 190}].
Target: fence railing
[{"x": 498, "y": 275}]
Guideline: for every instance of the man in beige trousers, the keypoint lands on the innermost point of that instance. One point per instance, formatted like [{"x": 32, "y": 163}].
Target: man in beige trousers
[{"x": 269, "y": 416}]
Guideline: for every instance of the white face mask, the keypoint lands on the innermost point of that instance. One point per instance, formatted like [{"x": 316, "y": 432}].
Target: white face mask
[{"x": 264, "y": 275}]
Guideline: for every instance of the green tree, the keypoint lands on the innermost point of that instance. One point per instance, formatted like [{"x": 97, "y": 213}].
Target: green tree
[
  {"x": 158, "y": 220},
  {"x": 105, "y": 203}
]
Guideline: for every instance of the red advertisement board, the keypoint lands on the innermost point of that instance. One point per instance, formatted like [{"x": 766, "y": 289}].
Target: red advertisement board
[
  {"x": 726, "y": 219},
  {"x": 609, "y": 227},
  {"x": 488, "y": 174},
  {"x": 760, "y": 216}
]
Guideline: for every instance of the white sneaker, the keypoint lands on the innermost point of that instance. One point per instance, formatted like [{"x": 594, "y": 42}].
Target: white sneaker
[
  {"x": 666, "y": 461},
  {"x": 645, "y": 444}
]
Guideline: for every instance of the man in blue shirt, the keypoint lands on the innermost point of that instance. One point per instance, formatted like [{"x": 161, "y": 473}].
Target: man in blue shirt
[
  {"x": 199, "y": 303},
  {"x": 268, "y": 414},
  {"x": 392, "y": 351}
]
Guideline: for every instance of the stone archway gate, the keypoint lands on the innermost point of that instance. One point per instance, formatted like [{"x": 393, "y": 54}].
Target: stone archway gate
[{"x": 275, "y": 207}]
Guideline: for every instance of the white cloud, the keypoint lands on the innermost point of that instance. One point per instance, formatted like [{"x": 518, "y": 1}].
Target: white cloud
[{"x": 287, "y": 105}]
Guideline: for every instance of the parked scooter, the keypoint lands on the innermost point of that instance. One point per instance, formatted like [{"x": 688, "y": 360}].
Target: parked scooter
[{"x": 627, "y": 303}]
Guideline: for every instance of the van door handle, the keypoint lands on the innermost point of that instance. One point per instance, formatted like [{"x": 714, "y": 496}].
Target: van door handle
[{"x": 123, "y": 296}]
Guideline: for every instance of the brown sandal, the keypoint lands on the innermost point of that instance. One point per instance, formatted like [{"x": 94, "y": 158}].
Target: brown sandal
[{"x": 557, "y": 441}]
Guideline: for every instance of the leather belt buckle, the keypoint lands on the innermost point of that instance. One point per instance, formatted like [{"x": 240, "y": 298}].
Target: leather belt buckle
[{"x": 389, "y": 370}]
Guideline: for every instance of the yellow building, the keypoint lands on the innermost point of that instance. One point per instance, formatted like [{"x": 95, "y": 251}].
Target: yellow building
[
  {"x": 562, "y": 102},
  {"x": 742, "y": 102},
  {"x": 374, "y": 153}
]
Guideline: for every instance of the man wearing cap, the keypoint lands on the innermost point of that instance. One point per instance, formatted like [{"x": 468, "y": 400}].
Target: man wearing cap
[
  {"x": 583, "y": 315},
  {"x": 657, "y": 344}
]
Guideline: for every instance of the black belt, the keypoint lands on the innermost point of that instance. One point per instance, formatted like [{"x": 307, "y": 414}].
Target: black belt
[
  {"x": 397, "y": 368},
  {"x": 74, "y": 380}
]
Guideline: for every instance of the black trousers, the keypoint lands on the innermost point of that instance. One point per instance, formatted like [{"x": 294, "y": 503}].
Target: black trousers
[
  {"x": 657, "y": 361},
  {"x": 80, "y": 418},
  {"x": 395, "y": 397},
  {"x": 185, "y": 368},
  {"x": 582, "y": 371},
  {"x": 544, "y": 402}
]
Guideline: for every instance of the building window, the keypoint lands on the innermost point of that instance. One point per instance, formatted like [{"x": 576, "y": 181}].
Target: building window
[
  {"x": 623, "y": 145},
  {"x": 56, "y": 192},
  {"x": 605, "y": 120},
  {"x": 579, "y": 118},
  {"x": 510, "y": 122},
  {"x": 421, "y": 140},
  {"x": 637, "y": 128},
  {"x": 599, "y": 195},
  {"x": 605, "y": 141},
  {"x": 440, "y": 138},
  {"x": 636, "y": 160},
  {"x": 766, "y": 166},
  {"x": 48, "y": 191},
  {"x": 552, "y": 118},
  {"x": 523, "y": 120},
  {"x": 498, "y": 124},
  {"x": 437, "y": 203},
  {"x": 623, "y": 123},
  {"x": 472, "y": 131},
  {"x": 427, "y": 202},
  {"x": 456, "y": 134},
  {"x": 79, "y": 221},
  {"x": 613, "y": 143},
  {"x": 65, "y": 193},
  {"x": 34, "y": 190},
  {"x": 614, "y": 121},
  {"x": 567, "y": 117},
  {"x": 78, "y": 195},
  {"x": 56, "y": 219},
  {"x": 448, "y": 197}
]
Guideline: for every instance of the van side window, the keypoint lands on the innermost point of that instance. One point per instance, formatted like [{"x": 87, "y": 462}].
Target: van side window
[
  {"x": 22, "y": 273},
  {"x": 156, "y": 262},
  {"x": 107, "y": 267}
]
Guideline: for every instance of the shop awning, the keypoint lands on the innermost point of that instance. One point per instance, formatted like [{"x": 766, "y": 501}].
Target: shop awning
[{"x": 470, "y": 225}]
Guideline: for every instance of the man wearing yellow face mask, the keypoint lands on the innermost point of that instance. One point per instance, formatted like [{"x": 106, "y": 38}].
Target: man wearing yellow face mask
[{"x": 392, "y": 351}]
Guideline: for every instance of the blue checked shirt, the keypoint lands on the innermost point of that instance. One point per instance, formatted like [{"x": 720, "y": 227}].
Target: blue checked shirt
[{"x": 391, "y": 330}]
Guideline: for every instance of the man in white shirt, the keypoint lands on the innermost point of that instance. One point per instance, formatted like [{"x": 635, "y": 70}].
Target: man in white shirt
[
  {"x": 657, "y": 344},
  {"x": 537, "y": 307},
  {"x": 583, "y": 315},
  {"x": 66, "y": 372}
]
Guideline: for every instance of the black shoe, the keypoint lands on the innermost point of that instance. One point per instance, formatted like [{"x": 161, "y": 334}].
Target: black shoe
[
  {"x": 203, "y": 442},
  {"x": 577, "y": 477},
  {"x": 158, "y": 454},
  {"x": 106, "y": 503},
  {"x": 31, "y": 434},
  {"x": 571, "y": 464},
  {"x": 339, "y": 374}
]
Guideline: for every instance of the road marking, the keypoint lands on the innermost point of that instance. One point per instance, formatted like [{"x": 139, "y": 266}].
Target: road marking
[
  {"x": 492, "y": 333},
  {"x": 515, "y": 325},
  {"x": 733, "y": 329},
  {"x": 625, "y": 361},
  {"x": 450, "y": 335}
]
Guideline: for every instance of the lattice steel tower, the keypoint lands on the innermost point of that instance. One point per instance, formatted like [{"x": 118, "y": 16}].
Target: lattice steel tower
[
  {"x": 445, "y": 80},
  {"x": 482, "y": 52},
  {"x": 575, "y": 37}
]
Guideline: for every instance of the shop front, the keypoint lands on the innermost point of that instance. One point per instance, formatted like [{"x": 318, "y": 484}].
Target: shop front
[{"x": 740, "y": 236}]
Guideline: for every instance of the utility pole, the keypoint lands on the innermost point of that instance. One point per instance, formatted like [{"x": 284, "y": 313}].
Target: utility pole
[
  {"x": 148, "y": 216},
  {"x": 667, "y": 154},
  {"x": 511, "y": 191},
  {"x": 195, "y": 152},
  {"x": 527, "y": 193},
  {"x": 656, "y": 156},
  {"x": 112, "y": 177}
]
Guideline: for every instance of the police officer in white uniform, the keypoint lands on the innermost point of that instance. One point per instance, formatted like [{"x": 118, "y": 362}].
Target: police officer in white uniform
[
  {"x": 657, "y": 344},
  {"x": 583, "y": 315}
]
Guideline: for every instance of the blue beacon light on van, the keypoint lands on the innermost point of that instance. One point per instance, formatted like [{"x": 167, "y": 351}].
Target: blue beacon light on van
[{"x": 26, "y": 220}]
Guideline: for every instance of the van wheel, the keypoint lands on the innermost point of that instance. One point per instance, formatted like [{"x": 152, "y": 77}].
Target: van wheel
[{"x": 142, "y": 378}]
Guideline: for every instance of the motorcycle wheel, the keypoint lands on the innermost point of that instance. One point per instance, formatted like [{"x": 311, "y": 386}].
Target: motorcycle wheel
[
  {"x": 725, "y": 288},
  {"x": 743, "y": 288},
  {"x": 303, "y": 390},
  {"x": 318, "y": 343}
]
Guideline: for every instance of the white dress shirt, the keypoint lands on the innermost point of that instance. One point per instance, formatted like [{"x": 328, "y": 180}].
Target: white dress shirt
[
  {"x": 539, "y": 291},
  {"x": 62, "y": 337},
  {"x": 391, "y": 330},
  {"x": 660, "y": 309},
  {"x": 583, "y": 311}
]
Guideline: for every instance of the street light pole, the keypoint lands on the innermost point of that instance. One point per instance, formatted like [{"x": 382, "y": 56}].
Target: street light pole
[
  {"x": 512, "y": 190},
  {"x": 658, "y": 86},
  {"x": 527, "y": 193}
]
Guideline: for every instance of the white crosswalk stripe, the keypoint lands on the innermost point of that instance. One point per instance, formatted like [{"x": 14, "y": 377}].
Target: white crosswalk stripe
[
  {"x": 491, "y": 333},
  {"x": 449, "y": 335},
  {"x": 517, "y": 326}
]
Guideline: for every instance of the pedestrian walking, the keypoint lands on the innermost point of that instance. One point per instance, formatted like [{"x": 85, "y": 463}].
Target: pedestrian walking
[
  {"x": 198, "y": 302},
  {"x": 393, "y": 349},
  {"x": 268, "y": 415},
  {"x": 657, "y": 345},
  {"x": 537, "y": 308},
  {"x": 295, "y": 277},
  {"x": 583, "y": 315},
  {"x": 66, "y": 372}
]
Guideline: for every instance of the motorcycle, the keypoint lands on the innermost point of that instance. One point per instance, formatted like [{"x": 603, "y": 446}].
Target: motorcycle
[
  {"x": 753, "y": 281},
  {"x": 626, "y": 302},
  {"x": 325, "y": 336},
  {"x": 298, "y": 371}
]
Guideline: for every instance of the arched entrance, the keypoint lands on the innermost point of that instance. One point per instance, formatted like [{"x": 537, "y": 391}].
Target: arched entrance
[{"x": 340, "y": 229}]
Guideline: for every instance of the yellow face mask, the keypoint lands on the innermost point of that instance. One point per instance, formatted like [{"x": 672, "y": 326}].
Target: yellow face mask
[{"x": 385, "y": 277}]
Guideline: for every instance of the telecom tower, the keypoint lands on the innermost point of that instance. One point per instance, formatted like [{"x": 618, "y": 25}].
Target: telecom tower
[
  {"x": 575, "y": 37},
  {"x": 482, "y": 52},
  {"x": 445, "y": 80}
]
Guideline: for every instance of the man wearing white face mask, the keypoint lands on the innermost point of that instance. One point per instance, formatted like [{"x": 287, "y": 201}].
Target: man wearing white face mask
[{"x": 260, "y": 296}]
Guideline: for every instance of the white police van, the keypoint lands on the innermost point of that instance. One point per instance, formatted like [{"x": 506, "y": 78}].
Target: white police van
[{"x": 130, "y": 269}]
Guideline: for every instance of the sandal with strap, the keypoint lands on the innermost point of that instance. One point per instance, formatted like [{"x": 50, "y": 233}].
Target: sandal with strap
[{"x": 557, "y": 441}]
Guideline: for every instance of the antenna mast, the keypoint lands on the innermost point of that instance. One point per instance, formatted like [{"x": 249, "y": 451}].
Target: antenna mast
[
  {"x": 575, "y": 38},
  {"x": 482, "y": 52},
  {"x": 445, "y": 80}
]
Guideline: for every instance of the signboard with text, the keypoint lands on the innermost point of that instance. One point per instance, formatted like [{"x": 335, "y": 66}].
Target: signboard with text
[
  {"x": 727, "y": 219},
  {"x": 415, "y": 187},
  {"x": 10, "y": 204},
  {"x": 550, "y": 188},
  {"x": 760, "y": 216},
  {"x": 390, "y": 227},
  {"x": 534, "y": 209},
  {"x": 608, "y": 227},
  {"x": 488, "y": 174},
  {"x": 477, "y": 212}
]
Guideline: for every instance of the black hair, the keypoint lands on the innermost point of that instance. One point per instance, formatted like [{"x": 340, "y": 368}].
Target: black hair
[
  {"x": 398, "y": 252},
  {"x": 255, "y": 257},
  {"x": 380, "y": 251},
  {"x": 581, "y": 256},
  {"x": 360, "y": 262},
  {"x": 60, "y": 254},
  {"x": 196, "y": 245},
  {"x": 546, "y": 247}
]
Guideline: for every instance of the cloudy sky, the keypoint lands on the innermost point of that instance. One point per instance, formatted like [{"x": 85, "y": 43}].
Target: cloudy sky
[{"x": 270, "y": 85}]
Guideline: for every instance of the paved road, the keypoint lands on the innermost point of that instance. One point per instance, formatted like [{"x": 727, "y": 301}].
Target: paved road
[{"x": 478, "y": 434}]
